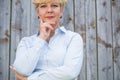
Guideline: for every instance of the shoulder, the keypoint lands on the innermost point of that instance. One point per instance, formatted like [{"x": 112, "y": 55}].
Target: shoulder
[
  {"x": 73, "y": 35},
  {"x": 27, "y": 40},
  {"x": 73, "y": 38}
]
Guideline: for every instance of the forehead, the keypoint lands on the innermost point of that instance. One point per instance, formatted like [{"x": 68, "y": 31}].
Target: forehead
[{"x": 49, "y": 1}]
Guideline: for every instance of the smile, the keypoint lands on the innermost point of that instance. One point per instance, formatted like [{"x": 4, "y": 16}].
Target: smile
[{"x": 50, "y": 17}]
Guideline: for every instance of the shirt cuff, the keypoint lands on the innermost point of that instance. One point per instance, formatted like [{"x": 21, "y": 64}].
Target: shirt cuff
[{"x": 36, "y": 76}]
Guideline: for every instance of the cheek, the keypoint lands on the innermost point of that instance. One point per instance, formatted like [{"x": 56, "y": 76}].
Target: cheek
[
  {"x": 40, "y": 13},
  {"x": 59, "y": 13}
]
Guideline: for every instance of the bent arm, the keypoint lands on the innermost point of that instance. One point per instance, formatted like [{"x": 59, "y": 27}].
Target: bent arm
[
  {"x": 72, "y": 64},
  {"x": 27, "y": 56}
]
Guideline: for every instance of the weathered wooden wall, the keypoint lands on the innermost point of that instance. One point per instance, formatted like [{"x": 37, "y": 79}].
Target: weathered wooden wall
[{"x": 97, "y": 21}]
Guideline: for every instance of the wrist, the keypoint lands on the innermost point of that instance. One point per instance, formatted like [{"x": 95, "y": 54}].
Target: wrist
[
  {"x": 44, "y": 38},
  {"x": 25, "y": 78}
]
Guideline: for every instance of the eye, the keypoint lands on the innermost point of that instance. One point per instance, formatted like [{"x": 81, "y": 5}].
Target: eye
[
  {"x": 43, "y": 6},
  {"x": 54, "y": 5}
]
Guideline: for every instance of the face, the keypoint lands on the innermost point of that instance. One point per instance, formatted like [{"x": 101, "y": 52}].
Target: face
[{"x": 50, "y": 11}]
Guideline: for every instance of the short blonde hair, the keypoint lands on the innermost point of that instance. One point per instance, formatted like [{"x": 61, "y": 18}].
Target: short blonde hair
[{"x": 37, "y": 2}]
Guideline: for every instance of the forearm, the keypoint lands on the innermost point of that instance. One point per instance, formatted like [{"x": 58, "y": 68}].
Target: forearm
[
  {"x": 60, "y": 73},
  {"x": 27, "y": 57},
  {"x": 70, "y": 70}
]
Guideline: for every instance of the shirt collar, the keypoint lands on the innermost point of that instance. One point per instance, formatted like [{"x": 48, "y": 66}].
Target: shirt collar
[{"x": 62, "y": 29}]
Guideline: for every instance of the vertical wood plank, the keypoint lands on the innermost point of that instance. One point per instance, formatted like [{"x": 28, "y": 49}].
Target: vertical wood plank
[
  {"x": 104, "y": 37},
  {"x": 20, "y": 25},
  {"x": 91, "y": 49},
  {"x": 34, "y": 20},
  {"x": 4, "y": 38},
  {"x": 116, "y": 37},
  {"x": 80, "y": 27},
  {"x": 68, "y": 16}
]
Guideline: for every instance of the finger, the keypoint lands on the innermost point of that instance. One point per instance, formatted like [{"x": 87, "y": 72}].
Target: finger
[
  {"x": 12, "y": 68},
  {"x": 51, "y": 23},
  {"x": 48, "y": 26},
  {"x": 49, "y": 31},
  {"x": 18, "y": 76}
]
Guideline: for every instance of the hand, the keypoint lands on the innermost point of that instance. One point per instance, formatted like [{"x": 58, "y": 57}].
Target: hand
[
  {"x": 46, "y": 30},
  {"x": 18, "y": 76}
]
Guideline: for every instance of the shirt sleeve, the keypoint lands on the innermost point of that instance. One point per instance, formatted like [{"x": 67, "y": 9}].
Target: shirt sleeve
[
  {"x": 27, "y": 56},
  {"x": 72, "y": 64}
]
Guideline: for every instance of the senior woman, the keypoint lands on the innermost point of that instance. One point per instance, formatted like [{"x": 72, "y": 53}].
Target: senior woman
[{"x": 52, "y": 54}]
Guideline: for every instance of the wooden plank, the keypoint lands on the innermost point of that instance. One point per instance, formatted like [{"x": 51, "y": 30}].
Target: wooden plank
[
  {"x": 116, "y": 37},
  {"x": 4, "y": 38},
  {"x": 91, "y": 54},
  {"x": 81, "y": 29},
  {"x": 34, "y": 20},
  {"x": 68, "y": 16},
  {"x": 104, "y": 37},
  {"x": 20, "y": 25}
]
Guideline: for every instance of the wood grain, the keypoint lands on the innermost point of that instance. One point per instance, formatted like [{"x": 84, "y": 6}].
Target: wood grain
[
  {"x": 20, "y": 26},
  {"x": 116, "y": 37},
  {"x": 91, "y": 40},
  {"x": 104, "y": 39},
  {"x": 4, "y": 38},
  {"x": 80, "y": 27}
]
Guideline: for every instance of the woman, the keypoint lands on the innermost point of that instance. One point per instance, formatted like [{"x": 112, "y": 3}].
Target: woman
[{"x": 54, "y": 53}]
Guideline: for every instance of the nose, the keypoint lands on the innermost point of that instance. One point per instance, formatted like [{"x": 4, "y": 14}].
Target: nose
[{"x": 49, "y": 10}]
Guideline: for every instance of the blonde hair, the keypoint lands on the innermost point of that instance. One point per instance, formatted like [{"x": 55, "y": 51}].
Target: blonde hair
[{"x": 37, "y": 2}]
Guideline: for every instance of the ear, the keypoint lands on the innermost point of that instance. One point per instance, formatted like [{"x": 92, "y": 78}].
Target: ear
[
  {"x": 61, "y": 15},
  {"x": 38, "y": 16}
]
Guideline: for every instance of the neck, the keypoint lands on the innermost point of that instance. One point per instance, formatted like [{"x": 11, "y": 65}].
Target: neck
[{"x": 56, "y": 26}]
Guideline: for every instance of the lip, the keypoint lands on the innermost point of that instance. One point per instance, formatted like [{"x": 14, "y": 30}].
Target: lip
[{"x": 50, "y": 17}]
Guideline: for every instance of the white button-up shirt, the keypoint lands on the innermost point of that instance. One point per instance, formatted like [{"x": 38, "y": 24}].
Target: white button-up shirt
[{"x": 60, "y": 59}]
